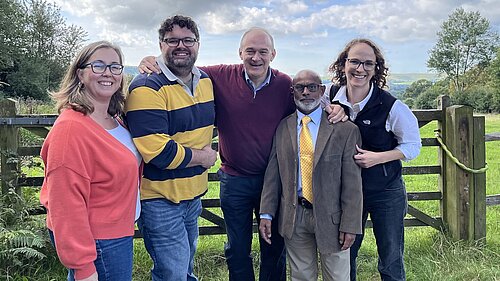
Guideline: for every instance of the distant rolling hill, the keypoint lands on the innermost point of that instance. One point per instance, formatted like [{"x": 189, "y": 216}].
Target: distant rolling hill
[
  {"x": 397, "y": 82},
  {"x": 409, "y": 78}
]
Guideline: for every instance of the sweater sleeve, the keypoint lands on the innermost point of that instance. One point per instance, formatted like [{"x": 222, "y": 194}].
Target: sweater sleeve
[
  {"x": 351, "y": 192},
  {"x": 68, "y": 197}
]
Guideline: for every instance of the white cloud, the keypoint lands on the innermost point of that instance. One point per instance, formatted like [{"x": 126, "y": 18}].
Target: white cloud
[
  {"x": 295, "y": 7},
  {"x": 393, "y": 21},
  {"x": 317, "y": 35},
  {"x": 133, "y": 24},
  {"x": 488, "y": 8}
]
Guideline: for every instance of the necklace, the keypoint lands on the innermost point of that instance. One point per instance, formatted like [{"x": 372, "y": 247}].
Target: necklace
[
  {"x": 107, "y": 121},
  {"x": 100, "y": 117}
]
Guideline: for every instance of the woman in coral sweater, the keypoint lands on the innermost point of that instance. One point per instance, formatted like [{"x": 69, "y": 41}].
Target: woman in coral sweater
[{"x": 92, "y": 170}]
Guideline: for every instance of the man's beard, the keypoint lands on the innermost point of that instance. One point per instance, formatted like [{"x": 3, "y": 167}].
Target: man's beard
[
  {"x": 181, "y": 66},
  {"x": 307, "y": 107}
]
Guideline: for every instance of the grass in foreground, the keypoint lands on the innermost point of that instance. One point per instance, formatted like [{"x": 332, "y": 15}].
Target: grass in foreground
[{"x": 429, "y": 255}]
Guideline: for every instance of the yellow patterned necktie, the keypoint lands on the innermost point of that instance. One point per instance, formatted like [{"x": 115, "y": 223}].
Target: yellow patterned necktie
[{"x": 306, "y": 159}]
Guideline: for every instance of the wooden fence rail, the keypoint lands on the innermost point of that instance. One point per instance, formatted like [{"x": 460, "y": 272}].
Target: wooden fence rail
[{"x": 462, "y": 195}]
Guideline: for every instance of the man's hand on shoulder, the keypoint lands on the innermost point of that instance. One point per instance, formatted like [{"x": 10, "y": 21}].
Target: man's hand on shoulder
[
  {"x": 336, "y": 113},
  {"x": 148, "y": 65}
]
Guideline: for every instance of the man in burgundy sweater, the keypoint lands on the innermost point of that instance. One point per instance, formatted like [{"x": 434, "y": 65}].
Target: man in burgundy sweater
[{"x": 250, "y": 101}]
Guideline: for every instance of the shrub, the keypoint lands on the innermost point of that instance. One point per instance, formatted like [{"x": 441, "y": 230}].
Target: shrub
[
  {"x": 479, "y": 97},
  {"x": 22, "y": 238}
]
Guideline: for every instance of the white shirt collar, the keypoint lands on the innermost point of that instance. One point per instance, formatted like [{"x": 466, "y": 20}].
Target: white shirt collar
[
  {"x": 170, "y": 76},
  {"x": 341, "y": 97}
]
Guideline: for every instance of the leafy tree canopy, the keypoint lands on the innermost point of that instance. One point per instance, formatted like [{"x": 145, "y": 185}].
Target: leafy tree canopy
[
  {"x": 464, "y": 41},
  {"x": 38, "y": 49},
  {"x": 416, "y": 88},
  {"x": 427, "y": 99}
]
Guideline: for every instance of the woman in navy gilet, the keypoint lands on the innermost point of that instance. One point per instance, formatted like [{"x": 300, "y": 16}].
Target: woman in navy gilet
[{"x": 390, "y": 133}]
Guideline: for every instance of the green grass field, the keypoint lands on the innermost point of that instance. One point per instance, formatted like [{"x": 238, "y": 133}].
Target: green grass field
[{"x": 428, "y": 254}]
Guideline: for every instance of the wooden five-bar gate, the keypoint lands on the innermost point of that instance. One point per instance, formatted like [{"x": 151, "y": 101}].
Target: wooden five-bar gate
[{"x": 462, "y": 194}]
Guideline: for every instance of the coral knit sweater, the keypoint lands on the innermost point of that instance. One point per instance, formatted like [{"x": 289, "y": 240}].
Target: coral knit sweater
[{"x": 90, "y": 189}]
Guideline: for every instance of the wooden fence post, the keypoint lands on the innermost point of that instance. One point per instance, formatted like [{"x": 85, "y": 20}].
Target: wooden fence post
[
  {"x": 479, "y": 193},
  {"x": 9, "y": 141},
  {"x": 443, "y": 103},
  {"x": 458, "y": 198}
]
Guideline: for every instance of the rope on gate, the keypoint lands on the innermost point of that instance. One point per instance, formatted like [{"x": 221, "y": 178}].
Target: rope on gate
[{"x": 456, "y": 161}]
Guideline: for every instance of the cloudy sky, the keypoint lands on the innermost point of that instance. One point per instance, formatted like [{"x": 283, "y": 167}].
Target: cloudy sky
[{"x": 308, "y": 33}]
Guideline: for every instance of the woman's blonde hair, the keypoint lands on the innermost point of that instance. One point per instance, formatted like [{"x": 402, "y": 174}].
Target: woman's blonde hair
[{"x": 72, "y": 93}]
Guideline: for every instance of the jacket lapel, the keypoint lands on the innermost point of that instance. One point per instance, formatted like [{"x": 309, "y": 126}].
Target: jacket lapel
[
  {"x": 324, "y": 132},
  {"x": 291, "y": 123}
]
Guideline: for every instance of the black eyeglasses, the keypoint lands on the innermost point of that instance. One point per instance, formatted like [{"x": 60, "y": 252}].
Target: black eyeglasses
[
  {"x": 174, "y": 42},
  {"x": 99, "y": 67},
  {"x": 299, "y": 88},
  {"x": 367, "y": 65}
]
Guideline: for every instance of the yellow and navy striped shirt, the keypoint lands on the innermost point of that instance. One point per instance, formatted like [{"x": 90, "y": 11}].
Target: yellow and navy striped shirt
[{"x": 166, "y": 122}]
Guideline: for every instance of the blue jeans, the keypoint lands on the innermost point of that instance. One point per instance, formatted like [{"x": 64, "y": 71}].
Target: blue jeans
[
  {"x": 170, "y": 235},
  {"x": 240, "y": 200},
  {"x": 114, "y": 259},
  {"x": 387, "y": 209}
]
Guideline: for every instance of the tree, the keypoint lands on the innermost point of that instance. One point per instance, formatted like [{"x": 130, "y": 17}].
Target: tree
[
  {"x": 428, "y": 99},
  {"x": 416, "y": 88},
  {"x": 464, "y": 41},
  {"x": 43, "y": 47},
  {"x": 494, "y": 71},
  {"x": 10, "y": 38},
  {"x": 479, "y": 97}
]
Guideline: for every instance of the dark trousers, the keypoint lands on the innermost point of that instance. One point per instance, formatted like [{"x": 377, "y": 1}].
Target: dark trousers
[
  {"x": 387, "y": 209},
  {"x": 240, "y": 200}
]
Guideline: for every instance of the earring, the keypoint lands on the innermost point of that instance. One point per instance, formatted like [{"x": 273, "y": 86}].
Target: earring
[{"x": 81, "y": 85}]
